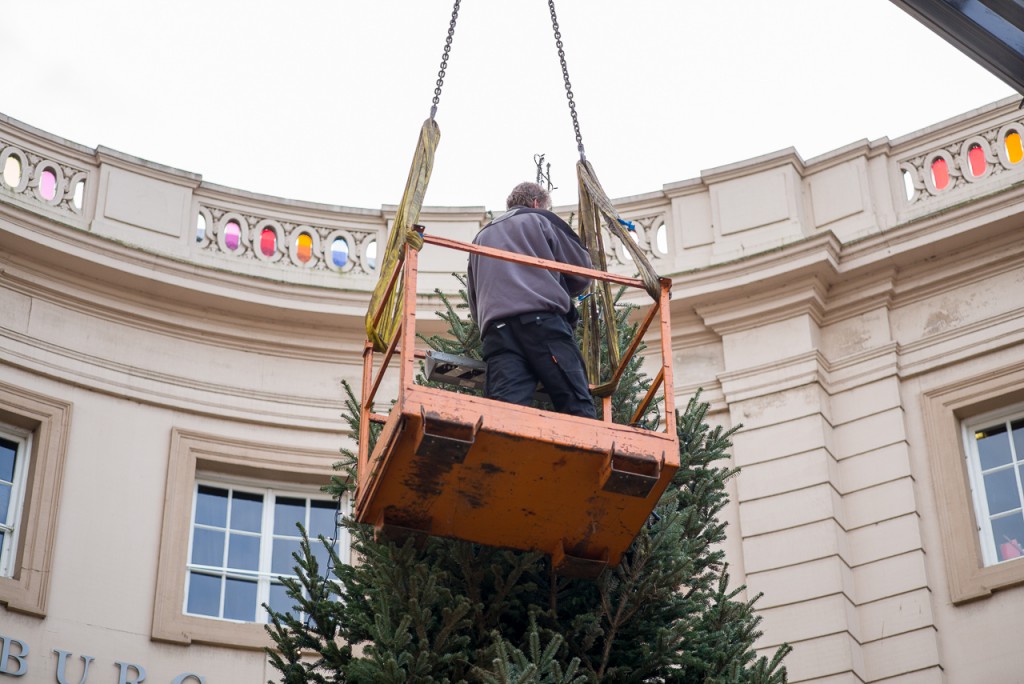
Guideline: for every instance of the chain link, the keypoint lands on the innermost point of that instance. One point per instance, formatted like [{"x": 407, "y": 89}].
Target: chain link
[
  {"x": 565, "y": 77},
  {"x": 444, "y": 58}
]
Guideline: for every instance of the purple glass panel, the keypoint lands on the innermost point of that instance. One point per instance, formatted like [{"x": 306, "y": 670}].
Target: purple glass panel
[{"x": 232, "y": 235}]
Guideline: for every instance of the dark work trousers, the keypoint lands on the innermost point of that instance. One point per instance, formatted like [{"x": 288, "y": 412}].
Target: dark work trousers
[{"x": 523, "y": 350}]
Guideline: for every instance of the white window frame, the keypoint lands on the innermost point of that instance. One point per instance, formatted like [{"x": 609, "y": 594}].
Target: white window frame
[
  {"x": 1004, "y": 415},
  {"x": 264, "y": 576},
  {"x": 12, "y": 529}
]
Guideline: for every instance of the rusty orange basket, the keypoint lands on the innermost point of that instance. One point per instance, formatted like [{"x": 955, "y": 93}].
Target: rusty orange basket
[{"x": 461, "y": 466}]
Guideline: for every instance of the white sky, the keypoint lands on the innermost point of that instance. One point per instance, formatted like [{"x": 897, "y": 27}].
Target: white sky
[{"x": 322, "y": 101}]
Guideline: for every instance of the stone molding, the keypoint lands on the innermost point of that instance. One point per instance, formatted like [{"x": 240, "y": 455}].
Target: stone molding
[{"x": 49, "y": 421}]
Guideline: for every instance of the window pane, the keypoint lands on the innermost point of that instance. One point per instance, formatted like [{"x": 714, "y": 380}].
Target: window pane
[
  {"x": 208, "y": 547},
  {"x": 240, "y": 600},
  {"x": 246, "y": 511},
  {"x": 321, "y": 518},
  {"x": 212, "y": 506},
  {"x": 244, "y": 552},
  {"x": 288, "y": 512},
  {"x": 279, "y": 600},
  {"x": 5, "y": 502},
  {"x": 203, "y": 594},
  {"x": 323, "y": 558},
  {"x": 1018, "y": 438},
  {"x": 993, "y": 446},
  {"x": 1001, "y": 491},
  {"x": 282, "y": 562},
  {"x": 8, "y": 450},
  {"x": 1008, "y": 533}
]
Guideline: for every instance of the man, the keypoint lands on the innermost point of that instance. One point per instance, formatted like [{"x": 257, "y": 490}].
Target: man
[{"x": 525, "y": 314}]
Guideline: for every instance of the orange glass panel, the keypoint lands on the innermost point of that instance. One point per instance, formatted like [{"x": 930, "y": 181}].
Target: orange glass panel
[
  {"x": 976, "y": 160},
  {"x": 940, "y": 173},
  {"x": 1014, "y": 147},
  {"x": 305, "y": 248}
]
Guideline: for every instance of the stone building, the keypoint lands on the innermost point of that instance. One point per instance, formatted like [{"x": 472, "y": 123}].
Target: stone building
[{"x": 172, "y": 352}]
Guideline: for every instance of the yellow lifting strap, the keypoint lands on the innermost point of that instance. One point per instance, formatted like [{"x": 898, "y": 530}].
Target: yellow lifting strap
[
  {"x": 595, "y": 208},
  {"x": 402, "y": 233}
]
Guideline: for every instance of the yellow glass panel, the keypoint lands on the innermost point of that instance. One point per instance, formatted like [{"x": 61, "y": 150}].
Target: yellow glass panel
[
  {"x": 1014, "y": 148},
  {"x": 12, "y": 171},
  {"x": 305, "y": 248}
]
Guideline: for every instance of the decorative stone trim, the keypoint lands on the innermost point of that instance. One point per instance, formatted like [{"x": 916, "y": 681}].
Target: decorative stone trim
[
  {"x": 192, "y": 454},
  {"x": 69, "y": 182},
  {"x": 944, "y": 409},
  {"x": 918, "y": 167},
  {"x": 48, "y": 420},
  {"x": 287, "y": 251}
]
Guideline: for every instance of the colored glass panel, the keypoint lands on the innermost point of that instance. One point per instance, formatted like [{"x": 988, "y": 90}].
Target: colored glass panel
[
  {"x": 339, "y": 252},
  {"x": 232, "y": 235},
  {"x": 48, "y": 184},
  {"x": 304, "y": 248},
  {"x": 371, "y": 255},
  {"x": 1014, "y": 147},
  {"x": 976, "y": 160},
  {"x": 908, "y": 185},
  {"x": 940, "y": 173},
  {"x": 268, "y": 241},
  {"x": 12, "y": 171}
]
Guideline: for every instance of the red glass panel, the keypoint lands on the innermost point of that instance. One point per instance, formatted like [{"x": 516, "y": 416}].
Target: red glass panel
[
  {"x": 305, "y": 248},
  {"x": 976, "y": 159},
  {"x": 268, "y": 241},
  {"x": 940, "y": 173}
]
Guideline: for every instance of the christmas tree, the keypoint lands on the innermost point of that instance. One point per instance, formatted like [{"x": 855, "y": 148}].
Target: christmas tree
[{"x": 443, "y": 611}]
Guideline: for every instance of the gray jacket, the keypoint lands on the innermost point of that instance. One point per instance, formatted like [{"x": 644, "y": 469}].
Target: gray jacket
[{"x": 499, "y": 289}]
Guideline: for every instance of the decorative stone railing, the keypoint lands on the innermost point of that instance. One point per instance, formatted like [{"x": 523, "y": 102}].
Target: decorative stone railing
[{"x": 727, "y": 213}]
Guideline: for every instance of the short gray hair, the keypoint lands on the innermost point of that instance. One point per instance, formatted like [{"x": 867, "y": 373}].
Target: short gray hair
[{"x": 524, "y": 194}]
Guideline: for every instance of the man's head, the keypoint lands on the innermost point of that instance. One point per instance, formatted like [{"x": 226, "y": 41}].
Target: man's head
[{"x": 529, "y": 195}]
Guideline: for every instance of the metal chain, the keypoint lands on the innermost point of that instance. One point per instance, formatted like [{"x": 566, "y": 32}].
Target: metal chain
[
  {"x": 444, "y": 58},
  {"x": 565, "y": 77}
]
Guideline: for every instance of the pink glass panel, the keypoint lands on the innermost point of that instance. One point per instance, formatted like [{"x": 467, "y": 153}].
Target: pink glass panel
[
  {"x": 232, "y": 235},
  {"x": 940, "y": 173},
  {"x": 976, "y": 159},
  {"x": 268, "y": 242},
  {"x": 48, "y": 184},
  {"x": 304, "y": 251}
]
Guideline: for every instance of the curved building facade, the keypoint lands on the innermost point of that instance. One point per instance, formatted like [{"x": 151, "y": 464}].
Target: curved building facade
[{"x": 172, "y": 359}]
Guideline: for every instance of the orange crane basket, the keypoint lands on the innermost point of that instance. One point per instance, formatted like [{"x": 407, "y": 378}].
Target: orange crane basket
[{"x": 461, "y": 466}]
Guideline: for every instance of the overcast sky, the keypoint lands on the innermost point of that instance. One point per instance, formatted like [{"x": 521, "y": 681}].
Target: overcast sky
[{"x": 323, "y": 100}]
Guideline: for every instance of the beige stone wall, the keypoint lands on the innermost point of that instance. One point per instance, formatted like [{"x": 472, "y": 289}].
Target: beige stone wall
[{"x": 845, "y": 310}]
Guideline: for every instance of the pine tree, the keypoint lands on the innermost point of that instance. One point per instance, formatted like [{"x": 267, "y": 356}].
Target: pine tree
[{"x": 442, "y": 611}]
